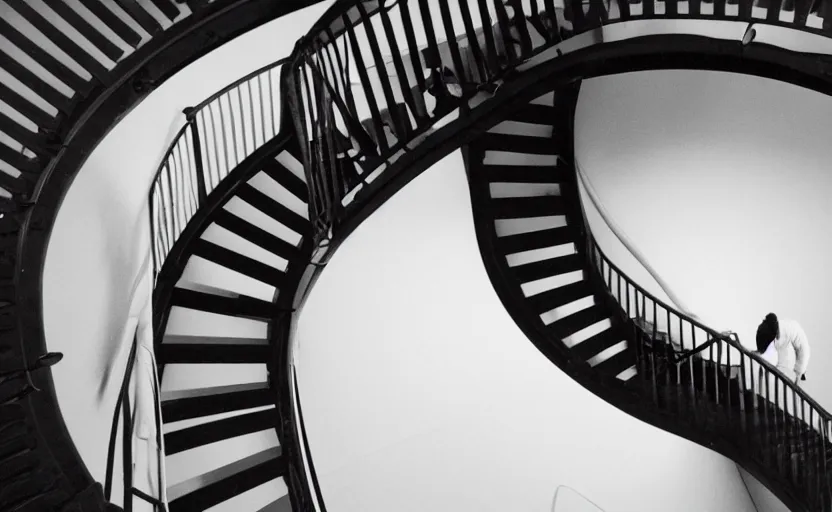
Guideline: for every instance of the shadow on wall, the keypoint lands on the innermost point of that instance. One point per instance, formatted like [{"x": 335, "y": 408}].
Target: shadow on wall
[
  {"x": 568, "y": 499},
  {"x": 722, "y": 181}
]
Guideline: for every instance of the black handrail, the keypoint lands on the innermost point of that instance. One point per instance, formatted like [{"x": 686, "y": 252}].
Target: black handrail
[
  {"x": 349, "y": 131},
  {"x": 219, "y": 133}
]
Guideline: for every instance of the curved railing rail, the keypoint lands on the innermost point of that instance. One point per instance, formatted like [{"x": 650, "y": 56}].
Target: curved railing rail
[
  {"x": 373, "y": 78},
  {"x": 699, "y": 361},
  {"x": 218, "y": 135}
]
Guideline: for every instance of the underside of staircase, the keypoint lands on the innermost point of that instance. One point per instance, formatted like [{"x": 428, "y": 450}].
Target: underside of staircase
[{"x": 497, "y": 78}]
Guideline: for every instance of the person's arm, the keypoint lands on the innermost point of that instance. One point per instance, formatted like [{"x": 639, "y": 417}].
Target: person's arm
[{"x": 801, "y": 348}]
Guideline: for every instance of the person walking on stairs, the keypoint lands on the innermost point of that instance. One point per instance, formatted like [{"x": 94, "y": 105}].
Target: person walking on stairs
[{"x": 786, "y": 339}]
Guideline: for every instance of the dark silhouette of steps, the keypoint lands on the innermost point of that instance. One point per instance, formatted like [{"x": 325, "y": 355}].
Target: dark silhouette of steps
[
  {"x": 562, "y": 291},
  {"x": 528, "y": 205},
  {"x": 216, "y": 351}
]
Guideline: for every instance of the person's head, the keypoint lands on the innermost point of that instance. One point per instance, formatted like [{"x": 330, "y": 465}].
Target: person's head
[{"x": 767, "y": 332}]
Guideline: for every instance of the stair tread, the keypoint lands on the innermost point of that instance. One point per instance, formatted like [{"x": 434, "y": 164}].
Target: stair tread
[
  {"x": 527, "y": 207},
  {"x": 216, "y": 486},
  {"x": 276, "y": 171},
  {"x": 238, "y": 262},
  {"x": 517, "y": 143},
  {"x": 534, "y": 114},
  {"x": 274, "y": 209},
  {"x": 241, "y": 306},
  {"x": 185, "y": 339},
  {"x": 256, "y": 235},
  {"x": 578, "y": 321},
  {"x": 190, "y": 353},
  {"x": 560, "y": 296},
  {"x": 596, "y": 344},
  {"x": 548, "y": 268},
  {"x": 227, "y": 428},
  {"x": 188, "y": 404},
  {"x": 513, "y": 244},
  {"x": 524, "y": 173},
  {"x": 617, "y": 363}
]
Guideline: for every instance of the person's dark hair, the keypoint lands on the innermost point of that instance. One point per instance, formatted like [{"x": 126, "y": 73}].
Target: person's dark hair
[{"x": 767, "y": 331}]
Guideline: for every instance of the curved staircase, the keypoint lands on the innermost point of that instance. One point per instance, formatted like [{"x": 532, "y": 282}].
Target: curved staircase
[
  {"x": 368, "y": 105},
  {"x": 593, "y": 321},
  {"x": 224, "y": 313}
]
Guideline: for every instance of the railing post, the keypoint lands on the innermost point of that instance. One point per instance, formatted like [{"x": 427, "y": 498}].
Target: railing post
[{"x": 190, "y": 115}]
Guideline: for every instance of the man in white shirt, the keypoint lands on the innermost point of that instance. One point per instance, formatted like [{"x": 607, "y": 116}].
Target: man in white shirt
[{"x": 788, "y": 340}]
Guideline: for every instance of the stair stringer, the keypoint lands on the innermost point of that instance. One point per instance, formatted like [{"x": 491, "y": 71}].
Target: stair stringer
[{"x": 614, "y": 392}]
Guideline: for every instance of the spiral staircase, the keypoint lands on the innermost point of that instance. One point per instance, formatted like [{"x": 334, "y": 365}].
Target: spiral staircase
[{"x": 365, "y": 105}]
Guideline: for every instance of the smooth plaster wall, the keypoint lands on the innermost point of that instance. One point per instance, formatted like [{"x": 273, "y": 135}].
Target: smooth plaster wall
[
  {"x": 722, "y": 181},
  {"x": 420, "y": 393},
  {"x": 101, "y": 235}
]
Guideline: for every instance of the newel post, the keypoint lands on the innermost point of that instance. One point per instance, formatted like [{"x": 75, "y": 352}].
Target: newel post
[{"x": 190, "y": 115}]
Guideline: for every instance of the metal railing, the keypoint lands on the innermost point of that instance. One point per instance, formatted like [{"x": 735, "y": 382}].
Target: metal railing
[
  {"x": 702, "y": 376},
  {"x": 373, "y": 78},
  {"x": 219, "y": 133}
]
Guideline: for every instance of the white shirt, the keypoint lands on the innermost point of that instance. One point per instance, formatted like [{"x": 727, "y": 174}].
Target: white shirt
[{"x": 792, "y": 348}]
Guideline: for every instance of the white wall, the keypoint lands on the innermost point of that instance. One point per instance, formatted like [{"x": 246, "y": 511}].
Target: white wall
[
  {"x": 101, "y": 234},
  {"x": 420, "y": 393},
  {"x": 721, "y": 180}
]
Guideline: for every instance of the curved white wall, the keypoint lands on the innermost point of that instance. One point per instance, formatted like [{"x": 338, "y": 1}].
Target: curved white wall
[
  {"x": 101, "y": 236},
  {"x": 420, "y": 393},
  {"x": 723, "y": 181}
]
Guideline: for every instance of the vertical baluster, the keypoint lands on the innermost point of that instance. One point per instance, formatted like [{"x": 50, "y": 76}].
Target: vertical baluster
[
  {"x": 198, "y": 163},
  {"x": 453, "y": 45},
  {"x": 398, "y": 64},
  {"x": 797, "y": 424},
  {"x": 473, "y": 42},
  {"x": 773, "y": 11},
  {"x": 716, "y": 369},
  {"x": 505, "y": 32},
  {"x": 488, "y": 35},
  {"x": 252, "y": 118},
  {"x": 343, "y": 71},
  {"x": 655, "y": 350},
  {"x": 727, "y": 377},
  {"x": 369, "y": 94},
  {"x": 778, "y": 428},
  {"x": 624, "y": 9},
  {"x": 669, "y": 353},
  {"x": 519, "y": 22},
  {"x": 649, "y": 8},
  {"x": 742, "y": 386},
  {"x": 770, "y": 418},
  {"x": 381, "y": 71}
]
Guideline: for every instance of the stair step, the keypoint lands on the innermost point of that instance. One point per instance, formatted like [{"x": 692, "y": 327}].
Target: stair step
[
  {"x": 534, "y": 114},
  {"x": 527, "y": 207},
  {"x": 196, "y": 403},
  {"x": 276, "y": 171},
  {"x": 536, "y": 240},
  {"x": 256, "y": 235},
  {"x": 578, "y": 321},
  {"x": 222, "y": 484},
  {"x": 518, "y": 144},
  {"x": 560, "y": 296},
  {"x": 548, "y": 268},
  {"x": 274, "y": 209},
  {"x": 524, "y": 173},
  {"x": 242, "y": 306},
  {"x": 617, "y": 363},
  {"x": 596, "y": 344},
  {"x": 207, "y": 433},
  {"x": 238, "y": 263},
  {"x": 193, "y": 353}
]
